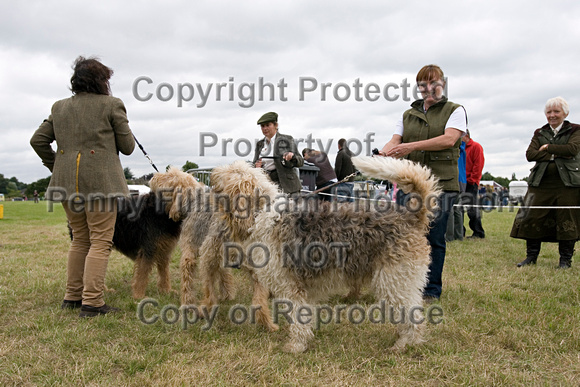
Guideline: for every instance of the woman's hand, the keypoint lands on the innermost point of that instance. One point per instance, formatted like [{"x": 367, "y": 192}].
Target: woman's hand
[{"x": 401, "y": 150}]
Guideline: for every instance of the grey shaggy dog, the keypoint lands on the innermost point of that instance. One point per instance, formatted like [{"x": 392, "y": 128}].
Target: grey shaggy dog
[
  {"x": 197, "y": 244},
  {"x": 346, "y": 246}
]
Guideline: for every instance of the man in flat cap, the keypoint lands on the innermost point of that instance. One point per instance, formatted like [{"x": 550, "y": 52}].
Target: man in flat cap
[{"x": 278, "y": 155}]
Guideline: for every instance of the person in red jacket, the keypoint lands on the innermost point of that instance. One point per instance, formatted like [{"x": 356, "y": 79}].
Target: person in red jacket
[{"x": 473, "y": 168}]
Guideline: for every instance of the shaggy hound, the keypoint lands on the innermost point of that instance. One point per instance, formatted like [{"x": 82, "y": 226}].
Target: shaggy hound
[
  {"x": 216, "y": 219},
  {"x": 304, "y": 253},
  {"x": 148, "y": 227}
]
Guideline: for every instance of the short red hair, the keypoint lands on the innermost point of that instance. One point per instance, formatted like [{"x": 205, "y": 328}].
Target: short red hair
[{"x": 430, "y": 72}]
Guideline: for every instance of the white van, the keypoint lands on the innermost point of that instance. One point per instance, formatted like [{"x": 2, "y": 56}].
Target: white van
[
  {"x": 138, "y": 189},
  {"x": 517, "y": 191}
]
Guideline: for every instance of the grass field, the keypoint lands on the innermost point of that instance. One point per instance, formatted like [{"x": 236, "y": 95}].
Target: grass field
[{"x": 501, "y": 326}]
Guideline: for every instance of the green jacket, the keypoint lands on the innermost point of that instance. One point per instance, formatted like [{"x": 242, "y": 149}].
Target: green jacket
[
  {"x": 90, "y": 130},
  {"x": 565, "y": 147},
  {"x": 288, "y": 175},
  {"x": 418, "y": 126}
]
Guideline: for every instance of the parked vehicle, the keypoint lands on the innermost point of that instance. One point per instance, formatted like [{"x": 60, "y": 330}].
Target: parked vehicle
[
  {"x": 517, "y": 191},
  {"x": 138, "y": 189}
]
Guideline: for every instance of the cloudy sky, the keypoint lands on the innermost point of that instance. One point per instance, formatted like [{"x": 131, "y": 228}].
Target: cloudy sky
[{"x": 197, "y": 73}]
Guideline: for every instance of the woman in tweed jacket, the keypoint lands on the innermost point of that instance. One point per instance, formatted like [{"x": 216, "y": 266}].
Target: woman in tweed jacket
[{"x": 90, "y": 129}]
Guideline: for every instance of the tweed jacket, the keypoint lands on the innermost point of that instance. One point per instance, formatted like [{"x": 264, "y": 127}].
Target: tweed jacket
[
  {"x": 90, "y": 130},
  {"x": 563, "y": 148},
  {"x": 289, "y": 179}
]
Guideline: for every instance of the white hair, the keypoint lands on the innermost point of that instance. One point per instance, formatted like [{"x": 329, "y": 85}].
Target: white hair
[{"x": 557, "y": 101}]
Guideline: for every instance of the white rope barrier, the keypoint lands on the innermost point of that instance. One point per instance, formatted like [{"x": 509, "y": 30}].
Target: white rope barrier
[
  {"x": 523, "y": 207},
  {"x": 486, "y": 206},
  {"x": 345, "y": 197}
]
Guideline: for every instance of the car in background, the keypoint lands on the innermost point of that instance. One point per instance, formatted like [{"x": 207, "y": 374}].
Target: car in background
[
  {"x": 517, "y": 191},
  {"x": 138, "y": 189}
]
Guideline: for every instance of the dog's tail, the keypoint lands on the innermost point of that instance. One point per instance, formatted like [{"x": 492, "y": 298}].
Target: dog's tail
[{"x": 409, "y": 176}]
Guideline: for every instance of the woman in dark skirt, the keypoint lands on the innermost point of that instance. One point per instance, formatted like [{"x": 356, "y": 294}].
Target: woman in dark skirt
[{"x": 554, "y": 181}]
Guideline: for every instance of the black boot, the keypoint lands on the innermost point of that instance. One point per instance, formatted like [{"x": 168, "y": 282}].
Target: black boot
[
  {"x": 68, "y": 304},
  {"x": 566, "y": 250},
  {"x": 91, "y": 311},
  {"x": 532, "y": 251}
]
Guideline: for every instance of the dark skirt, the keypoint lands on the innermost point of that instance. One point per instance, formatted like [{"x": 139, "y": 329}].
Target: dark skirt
[{"x": 549, "y": 225}]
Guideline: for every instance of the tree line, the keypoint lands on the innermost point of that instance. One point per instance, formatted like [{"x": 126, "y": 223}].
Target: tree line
[{"x": 12, "y": 187}]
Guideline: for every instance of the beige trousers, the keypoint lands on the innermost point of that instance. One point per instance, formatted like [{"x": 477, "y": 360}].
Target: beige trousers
[{"x": 93, "y": 226}]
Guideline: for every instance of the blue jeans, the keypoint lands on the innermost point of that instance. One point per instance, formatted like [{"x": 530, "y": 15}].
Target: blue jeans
[
  {"x": 345, "y": 189},
  {"x": 325, "y": 195},
  {"x": 455, "y": 228},
  {"x": 436, "y": 238}
]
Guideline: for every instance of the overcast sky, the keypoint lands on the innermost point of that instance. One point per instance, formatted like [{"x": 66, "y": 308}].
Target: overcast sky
[{"x": 503, "y": 60}]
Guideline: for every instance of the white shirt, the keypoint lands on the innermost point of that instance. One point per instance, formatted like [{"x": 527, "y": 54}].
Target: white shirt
[
  {"x": 268, "y": 150},
  {"x": 557, "y": 129},
  {"x": 457, "y": 120}
]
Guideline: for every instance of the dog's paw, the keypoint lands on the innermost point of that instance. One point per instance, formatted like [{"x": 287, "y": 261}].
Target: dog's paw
[
  {"x": 401, "y": 345},
  {"x": 138, "y": 296},
  {"x": 397, "y": 349},
  {"x": 110, "y": 290},
  {"x": 165, "y": 290},
  {"x": 204, "y": 310},
  {"x": 187, "y": 299},
  {"x": 231, "y": 295},
  {"x": 272, "y": 328},
  {"x": 227, "y": 295},
  {"x": 292, "y": 347}
]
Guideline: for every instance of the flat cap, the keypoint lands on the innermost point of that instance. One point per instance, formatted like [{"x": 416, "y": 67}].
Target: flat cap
[{"x": 268, "y": 117}]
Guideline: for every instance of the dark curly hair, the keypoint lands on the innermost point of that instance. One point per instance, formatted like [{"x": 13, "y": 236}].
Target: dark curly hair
[{"x": 90, "y": 76}]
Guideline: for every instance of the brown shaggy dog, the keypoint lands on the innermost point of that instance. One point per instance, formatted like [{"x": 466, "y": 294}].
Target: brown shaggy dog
[
  {"x": 384, "y": 248},
  {"x": 148, "y": 227}
]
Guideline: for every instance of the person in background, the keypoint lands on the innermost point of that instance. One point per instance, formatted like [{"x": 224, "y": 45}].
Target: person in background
[
  {"x": 474, "y": 168},
  {"x": 344, "y": 167},
  {"x": 455, "y": 230},
  {"x": 554, "y": 181},
  {"x": 325, "y": 176},
  {"x": 436, "y": 148},
  {"x": 278, "y": 155},
  {"x": 90, "y": 129}
]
